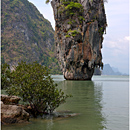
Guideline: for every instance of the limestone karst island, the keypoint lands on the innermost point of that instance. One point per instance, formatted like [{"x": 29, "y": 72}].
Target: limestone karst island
[{"x": 79, "y": 29}]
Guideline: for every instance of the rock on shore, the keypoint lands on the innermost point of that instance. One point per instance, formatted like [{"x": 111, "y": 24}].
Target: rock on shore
[
  {"x": 10, "y": 99},
  {"x": 12, "y": 113}
]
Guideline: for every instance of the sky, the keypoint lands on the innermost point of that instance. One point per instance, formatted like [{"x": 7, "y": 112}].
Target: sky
[{"x": 115, "y": 49}]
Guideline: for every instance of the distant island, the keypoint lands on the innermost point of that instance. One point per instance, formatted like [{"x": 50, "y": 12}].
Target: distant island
[{"x": 108, "y": 70}]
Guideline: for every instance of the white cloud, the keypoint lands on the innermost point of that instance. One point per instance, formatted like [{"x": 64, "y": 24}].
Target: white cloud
[
  {"x": 120, "y": 44},
  {"x": 111, "y": 44},
  {"x": 116, "y": 52},
  {"x": 127, "y": 38}
]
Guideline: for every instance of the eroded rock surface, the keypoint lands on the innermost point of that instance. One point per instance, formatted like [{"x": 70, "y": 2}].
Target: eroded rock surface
[
  {"x": 10, "y": 99},
  {"x": 12, "y": 113},
  {"x": 78, "y": 36}
]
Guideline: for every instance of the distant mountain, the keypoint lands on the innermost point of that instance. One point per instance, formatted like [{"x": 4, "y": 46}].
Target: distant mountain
[
  {"x": 97, "y": 71},
  {"x": 108, "y": 70},
  {"x": 26, "y": 35}
]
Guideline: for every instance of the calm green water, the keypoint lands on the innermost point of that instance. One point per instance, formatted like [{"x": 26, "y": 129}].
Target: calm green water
[{"x": 101, "y": 104}]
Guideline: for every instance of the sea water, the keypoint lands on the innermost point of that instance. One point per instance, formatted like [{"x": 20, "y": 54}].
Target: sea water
[{"x": 100, "y": 104}]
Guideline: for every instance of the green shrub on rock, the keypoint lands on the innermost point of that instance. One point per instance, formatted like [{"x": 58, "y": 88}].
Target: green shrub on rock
[
  {"x": 34, "y": 85},
  {"x": 5, "y": 74}
]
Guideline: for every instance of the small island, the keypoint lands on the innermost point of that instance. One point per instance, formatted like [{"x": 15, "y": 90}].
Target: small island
[{"x": 79, "y": 29}]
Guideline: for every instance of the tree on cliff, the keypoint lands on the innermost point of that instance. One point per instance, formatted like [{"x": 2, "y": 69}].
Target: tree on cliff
[
  {"x": 34, "y": 85},
  {"x": 47, "y": 1}
]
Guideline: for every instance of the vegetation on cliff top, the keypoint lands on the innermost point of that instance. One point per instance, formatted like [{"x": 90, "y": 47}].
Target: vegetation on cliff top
[{"x": 71, "y": 10}]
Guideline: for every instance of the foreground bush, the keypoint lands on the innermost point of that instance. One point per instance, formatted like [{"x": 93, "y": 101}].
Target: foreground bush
[
  {"x": 5, "y": 75},
  {"x": 34, "y": 85}
]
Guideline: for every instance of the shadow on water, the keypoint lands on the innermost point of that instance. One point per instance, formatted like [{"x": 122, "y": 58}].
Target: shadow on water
[{"x": 86, "y": 100}]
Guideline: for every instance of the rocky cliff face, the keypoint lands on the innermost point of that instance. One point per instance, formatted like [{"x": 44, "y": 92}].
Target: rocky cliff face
[
  {"x": 79, "y": 30},
  {"x": 26, "y": 35}
]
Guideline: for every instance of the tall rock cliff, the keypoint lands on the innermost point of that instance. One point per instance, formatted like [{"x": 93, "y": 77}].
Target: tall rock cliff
[
  {"x": 80, "y": 25},
  {"x": 26, "y": 35}
]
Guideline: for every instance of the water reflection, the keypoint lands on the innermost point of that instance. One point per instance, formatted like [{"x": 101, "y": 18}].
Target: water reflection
[
  {"x": 50, "y": 125},
  {"x": 87, "y": 100}
]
